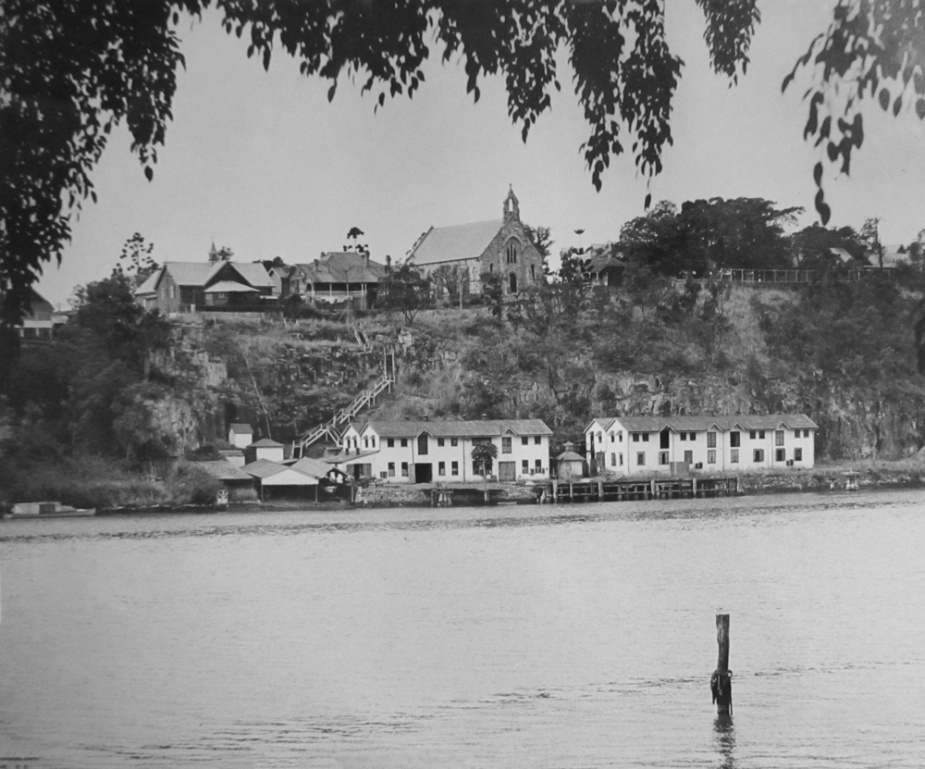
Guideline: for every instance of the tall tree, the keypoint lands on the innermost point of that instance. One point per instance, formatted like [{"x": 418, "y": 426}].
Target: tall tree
[
  {"x": 136, "y": 262},
  {"x": 404, "y": 290},
  {"x": 75, "y": 68},
  {"x": 870, "y": 234}
]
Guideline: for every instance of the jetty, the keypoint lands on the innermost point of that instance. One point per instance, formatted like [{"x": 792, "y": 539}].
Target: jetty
[{"x": 600, "y": 490}]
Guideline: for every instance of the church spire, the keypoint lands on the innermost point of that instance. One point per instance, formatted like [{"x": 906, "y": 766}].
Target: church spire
[{"x": 511, "y": 206}]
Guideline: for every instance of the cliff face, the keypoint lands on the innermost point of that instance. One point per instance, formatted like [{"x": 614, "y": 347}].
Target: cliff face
[{"x": 286, "y": 379}]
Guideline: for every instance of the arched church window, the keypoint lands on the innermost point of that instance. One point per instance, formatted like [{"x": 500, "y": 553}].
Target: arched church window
[{"x": 512, "y": 253}]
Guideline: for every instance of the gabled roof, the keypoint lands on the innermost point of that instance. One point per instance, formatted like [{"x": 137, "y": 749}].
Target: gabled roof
[
  {"x": 312, "y": 467},
  {"x": 200, "y": 274},
  {"x": 241, "y": 428},
  {"x": 450, "y": 244},
  {"x": 570, "y": 456},
  {"x": 706, "y": 422},
  {"x": 265, "y": 443},
  {"x": 481, "y": 428}
]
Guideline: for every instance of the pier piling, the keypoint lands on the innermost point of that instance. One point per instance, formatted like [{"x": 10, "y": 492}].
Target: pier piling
[{"x": 721, "y": 680}]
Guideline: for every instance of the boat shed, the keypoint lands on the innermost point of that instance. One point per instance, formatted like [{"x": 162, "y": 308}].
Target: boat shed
[{"x": 281, "y": 480}]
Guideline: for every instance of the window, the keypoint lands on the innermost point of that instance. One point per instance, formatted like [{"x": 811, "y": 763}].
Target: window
[
  {"x": 525, "y": 466},
  {"x": 734, "y": 456},
  {"x": 391, "y": 469},
  {"x": 600, "y": 437},
  {"x": 404, "y": 469},
  {"x": 613, "y": 438},
  {"x": 537, "y": 440},
  {"x": 525, "y": 441},
  {"x": 663, "y": 457},
  {"x": 645, "y": 437},
  {"x": 621, "y": 459},
  {"x": 372, "y": 441},
  {"x": 640, "y": 458},
  {"x": 778, "y": 437},
  {"x": 798, "y": 455},
  {"x": 780, "y": 455},
  {"x": 751, "y": 434},
  {"x": 506, "y": 447},
  {"x": 635, "y": 437},
  {"x": 711, "y": 456},
  {"x": 454, "y": 441},
  {"x": 404, "y": 443},
  {"x": 538, "y": 466},
  {"x": 692, "y": 436},
  {"x": 532, "y": 272},
  {"x": 759, "y": 455},
  {"x": 735, "y": 439},
  {"x": 511, "y": 253},
  {"x": 711, "y": 440},
  {"x": 683, "y": 436},
  {"x": 366, "y": 443},
  {"x": 440, "y": 442},
  {"x": 391, "y": 442},
  {"x": 441, "y": 468},
  {"x": 613, "y": 460},
  {"x": 761, "y": 435},
  {"x": 454, "y": 468},
  {"x": 422, "y": 444},
  {"x": 689, "y": 457}
]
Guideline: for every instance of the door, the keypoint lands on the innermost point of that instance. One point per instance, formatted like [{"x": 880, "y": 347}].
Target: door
[
  {"x": 423, "y": 472},
  {"x": 506, "y": 471}
]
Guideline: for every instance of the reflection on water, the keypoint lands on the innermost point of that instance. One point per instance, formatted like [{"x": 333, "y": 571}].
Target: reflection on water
[
  {"x": 725, "y": 740},
  {"x": 548, "y": 636}
]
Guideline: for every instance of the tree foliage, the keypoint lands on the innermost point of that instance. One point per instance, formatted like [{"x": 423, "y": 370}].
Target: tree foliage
[
  {"x": 404, "y": 290},
  {"x": 872, "y": 50},
  {"x": 706, "y": 235},
  {"x": 483, "y": 455},
  {"x": 75, "y": 68}
]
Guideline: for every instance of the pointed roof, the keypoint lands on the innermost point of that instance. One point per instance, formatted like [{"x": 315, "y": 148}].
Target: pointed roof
[
  {"x": 241, "y": 428},
  {"x": 478, "y": 428},
  {"x": 450, "y": 244},
  {"x": 266, "y": 443},
  {"x": 706, "y": 422}
]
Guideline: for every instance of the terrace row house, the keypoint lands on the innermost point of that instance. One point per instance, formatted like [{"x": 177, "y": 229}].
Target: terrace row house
[
  {"x": 425, "y": 452},
  {"x": 650, "y": 445}
]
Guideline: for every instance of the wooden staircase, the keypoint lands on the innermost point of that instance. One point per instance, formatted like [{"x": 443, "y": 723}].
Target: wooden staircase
[{"x": 335, "y": 427}]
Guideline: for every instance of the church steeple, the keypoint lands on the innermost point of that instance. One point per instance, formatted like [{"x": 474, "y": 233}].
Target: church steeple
[{"x": 511, "y": 206}]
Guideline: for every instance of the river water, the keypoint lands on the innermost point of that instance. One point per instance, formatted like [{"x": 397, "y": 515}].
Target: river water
[{"x": 527, "y": 636}]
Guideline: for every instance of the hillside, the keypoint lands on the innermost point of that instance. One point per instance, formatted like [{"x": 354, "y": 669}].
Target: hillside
[{"x": 130, "y": 387}]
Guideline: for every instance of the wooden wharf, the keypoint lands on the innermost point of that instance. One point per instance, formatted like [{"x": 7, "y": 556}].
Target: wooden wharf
[{"x": 626, "y": 489}]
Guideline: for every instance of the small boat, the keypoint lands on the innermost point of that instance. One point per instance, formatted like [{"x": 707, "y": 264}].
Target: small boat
[{"x": 48, "y": 510}]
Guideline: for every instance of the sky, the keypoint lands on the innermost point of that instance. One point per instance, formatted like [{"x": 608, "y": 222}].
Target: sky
[{"x": 262, "y": 163}]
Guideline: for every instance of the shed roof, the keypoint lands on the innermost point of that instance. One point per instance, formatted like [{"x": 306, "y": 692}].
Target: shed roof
[
  {"x": 230, "y": 287},
  {"x": 275, "y": 474},
  {"x": 313, "y": 467},
  {"x": 266, "y": 443},
  {"x": 451, "y": 244},
  {"x": 221, "y": 469},
  {"x": 241, "y": 428}
]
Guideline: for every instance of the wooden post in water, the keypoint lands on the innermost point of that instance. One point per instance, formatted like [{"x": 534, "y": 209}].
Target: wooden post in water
[{"x": 721, "y": 680}]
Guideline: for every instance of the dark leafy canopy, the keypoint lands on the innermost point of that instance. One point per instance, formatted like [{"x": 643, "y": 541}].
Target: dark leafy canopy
[
  {"x": 744, "y": 233},
  {"x": 873, "y": 49},
  {"x": 73, "y": 69}
]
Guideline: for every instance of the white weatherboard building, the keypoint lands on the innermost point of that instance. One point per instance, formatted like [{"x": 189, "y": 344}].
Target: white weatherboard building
[
  {"x": 426, "y": 452},
  {"x": 722, "y": 444}
]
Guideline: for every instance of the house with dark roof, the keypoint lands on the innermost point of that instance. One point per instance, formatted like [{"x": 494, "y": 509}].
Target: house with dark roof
[
  {"x": 651, "y": 445},
  {"x": 197, "y": 286},
  {"x": 427, "y": 451},
  {"x": 338, "y": 276},
  {"x": 499, "y": 246}
]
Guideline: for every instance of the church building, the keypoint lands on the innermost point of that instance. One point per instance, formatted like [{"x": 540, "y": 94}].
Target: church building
[{"x": 468, "y": 250}]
